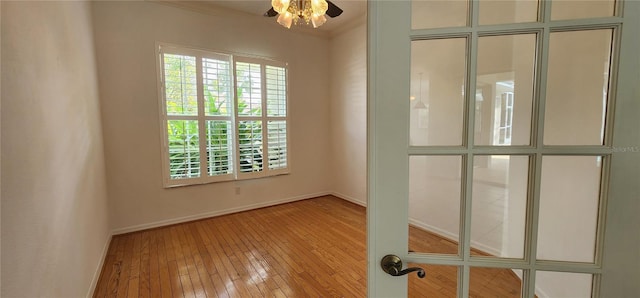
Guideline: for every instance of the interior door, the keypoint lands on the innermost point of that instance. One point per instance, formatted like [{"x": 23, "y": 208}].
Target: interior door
[{"x": 506, "y": 131}]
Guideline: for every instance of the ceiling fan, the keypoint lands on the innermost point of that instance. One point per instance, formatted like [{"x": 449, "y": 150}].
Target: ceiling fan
[{"x": 302, "y": 11}]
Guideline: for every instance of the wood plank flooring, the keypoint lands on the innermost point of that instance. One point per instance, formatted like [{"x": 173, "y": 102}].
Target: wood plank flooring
[{"x": 310, "y": 248}]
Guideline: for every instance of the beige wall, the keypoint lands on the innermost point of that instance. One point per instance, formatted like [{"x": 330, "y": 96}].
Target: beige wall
[
  {"x": 126, "y": 36},
  {"x": 348, "y": 56},
  {"x": 54, "y": 200}
]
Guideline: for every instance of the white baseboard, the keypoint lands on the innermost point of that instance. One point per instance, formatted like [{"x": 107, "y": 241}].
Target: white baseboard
[
  {"x": 182, "y": 219},
  {"x": 349, "y": 198},
  {"x": 96, "y": 274},
  {"x": 453, "y": 237},
  {"x": 442, "y": 233},
  {"x": 427, "y": 227}
]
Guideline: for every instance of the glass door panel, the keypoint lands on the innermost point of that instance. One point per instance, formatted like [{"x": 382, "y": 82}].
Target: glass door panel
[
  {"x": 437, "y": 92},
  {"x": 499, "y": 204},
  {"x": 569, "y": 203},
  {"x": 577, "y": 87},
  {"x": 581, "y": 9},
  {"x": 441, "y": 281},
  {"x": 429, "y": 14},
  {"x": 555, "y": 284},
  {"x": 504, "y": 89},
  {"x": 494, "y": 282},
  {"x": 507, "y": 11},
  {"x": 434, "y": 203}
]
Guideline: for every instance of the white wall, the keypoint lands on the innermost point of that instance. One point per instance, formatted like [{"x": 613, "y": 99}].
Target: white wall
[
  {"x": 348, "y": 116},
  {"x": 126, "y": 36},
  {"x": 54, "y": 200}
]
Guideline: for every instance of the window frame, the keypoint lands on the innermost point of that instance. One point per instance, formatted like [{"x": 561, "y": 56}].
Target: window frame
[{"x": 233, "y": 118}]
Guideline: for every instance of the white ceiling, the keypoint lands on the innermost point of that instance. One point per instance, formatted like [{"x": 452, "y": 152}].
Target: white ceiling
[{"x": 352, "y": 10}]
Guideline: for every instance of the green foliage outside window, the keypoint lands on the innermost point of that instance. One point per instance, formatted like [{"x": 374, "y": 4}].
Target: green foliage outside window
[{"x": 183, "y": 135}]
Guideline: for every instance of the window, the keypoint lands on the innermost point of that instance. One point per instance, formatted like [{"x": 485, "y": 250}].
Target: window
[
  {"x": 504, "y": 108},
  {"x": 224, "y": 117}
]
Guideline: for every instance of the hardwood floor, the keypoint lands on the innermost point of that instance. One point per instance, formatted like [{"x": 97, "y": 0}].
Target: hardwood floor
[{"x": 310, "y": 248}]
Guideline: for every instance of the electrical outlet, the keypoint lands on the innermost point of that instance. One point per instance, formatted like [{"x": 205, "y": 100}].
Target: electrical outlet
[{"x": 237, "y": 190}]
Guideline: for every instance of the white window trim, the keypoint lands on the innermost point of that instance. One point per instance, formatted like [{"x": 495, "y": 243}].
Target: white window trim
[{"x": 164, "y": 48}]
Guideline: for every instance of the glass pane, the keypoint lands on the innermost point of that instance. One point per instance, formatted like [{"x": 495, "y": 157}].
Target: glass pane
[
  {"x": 434, "y": 203},
  {"x": 569, "y": 200},
  {"x": 219, "y": 147},
  {"x": 563, "y": 284},
  {"x": 507, "y": 11},
  {"x": 504, "y": 90},
  {"x": 440, "y": 281},
  {"x": 250, "y": 146},
  {"x": 437, "y": 89},
  {"x": 249, "y": 89},
  {"x": 180, "y": 85},
  {"x": 277, "y": 133},
  {"x": 217, "y": 83},
  {"x": 184, "y": 150},
  {"x": 276, "y": 91},
  {"x": 581, "y": 9},
  {"x": 494, "y": 282},
  {"x": 499, "y": 202},
  {"x": 577, "y": 87},
  {"x": 426, "y": 14}
]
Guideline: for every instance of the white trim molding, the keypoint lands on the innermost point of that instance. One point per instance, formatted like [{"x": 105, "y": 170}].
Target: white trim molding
[
  {"x": 362, "y": 203},
  {"x": 96, "y": 274},
  {"x": 215, "y": 213}
]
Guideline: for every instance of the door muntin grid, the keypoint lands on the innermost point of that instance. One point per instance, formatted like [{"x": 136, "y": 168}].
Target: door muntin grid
[{"x": 536, "y": 151}]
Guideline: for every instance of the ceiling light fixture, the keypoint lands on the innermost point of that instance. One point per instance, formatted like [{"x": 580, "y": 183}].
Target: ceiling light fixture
[
  {"x": 309, "y": 12},
  {"x": 420, "y": 105}
]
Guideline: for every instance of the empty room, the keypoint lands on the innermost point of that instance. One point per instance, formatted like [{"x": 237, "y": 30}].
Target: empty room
[{"x": 314, "y": 148}]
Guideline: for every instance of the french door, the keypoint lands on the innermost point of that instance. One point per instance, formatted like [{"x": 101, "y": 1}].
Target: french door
[{"x": 506, "y": 131}]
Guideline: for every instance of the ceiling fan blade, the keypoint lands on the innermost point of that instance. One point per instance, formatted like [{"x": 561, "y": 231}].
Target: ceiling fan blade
[
  {"x": 333, "y": 10},
  {"x": 270, "y": 13}
]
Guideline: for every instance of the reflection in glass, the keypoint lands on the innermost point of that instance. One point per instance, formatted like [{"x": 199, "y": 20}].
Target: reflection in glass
[
  {"x": 564, "y": 284},
  {"x": 569, "y": 200},
  {"x": 434, "y": 203},
  {"x": 499, "y": 202},
  {"x": 440, "y": 281},
  {"x": 504, "y": 90},
  {"x": 494, "y": 282},
  {"x": 577, "y": 87},
  {"x": 427, "y": 14},
  {"x": 507, "y": 11},
  {"x": 581, "y": 9},
  {"x": 437, "y": 88}
]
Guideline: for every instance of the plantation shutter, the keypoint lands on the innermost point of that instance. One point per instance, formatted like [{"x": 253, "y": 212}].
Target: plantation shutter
[
  {"x": 181, "y": 110},
  {"x": 218, "y": 111},
  {"x": 276, "y": 81},
  {"x": 224, "y": 117},
  {"x": 197, "y": 110},
  {"x": 249, "y": 92}
]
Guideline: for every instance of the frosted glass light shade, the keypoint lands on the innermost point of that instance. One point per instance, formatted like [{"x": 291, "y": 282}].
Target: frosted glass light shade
[
  {"x": 280, "y": 6},
  {"x": 285, "y": 19},
  {"x": 318, "y": 20},
  {"x": 319, "y": 7}
]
